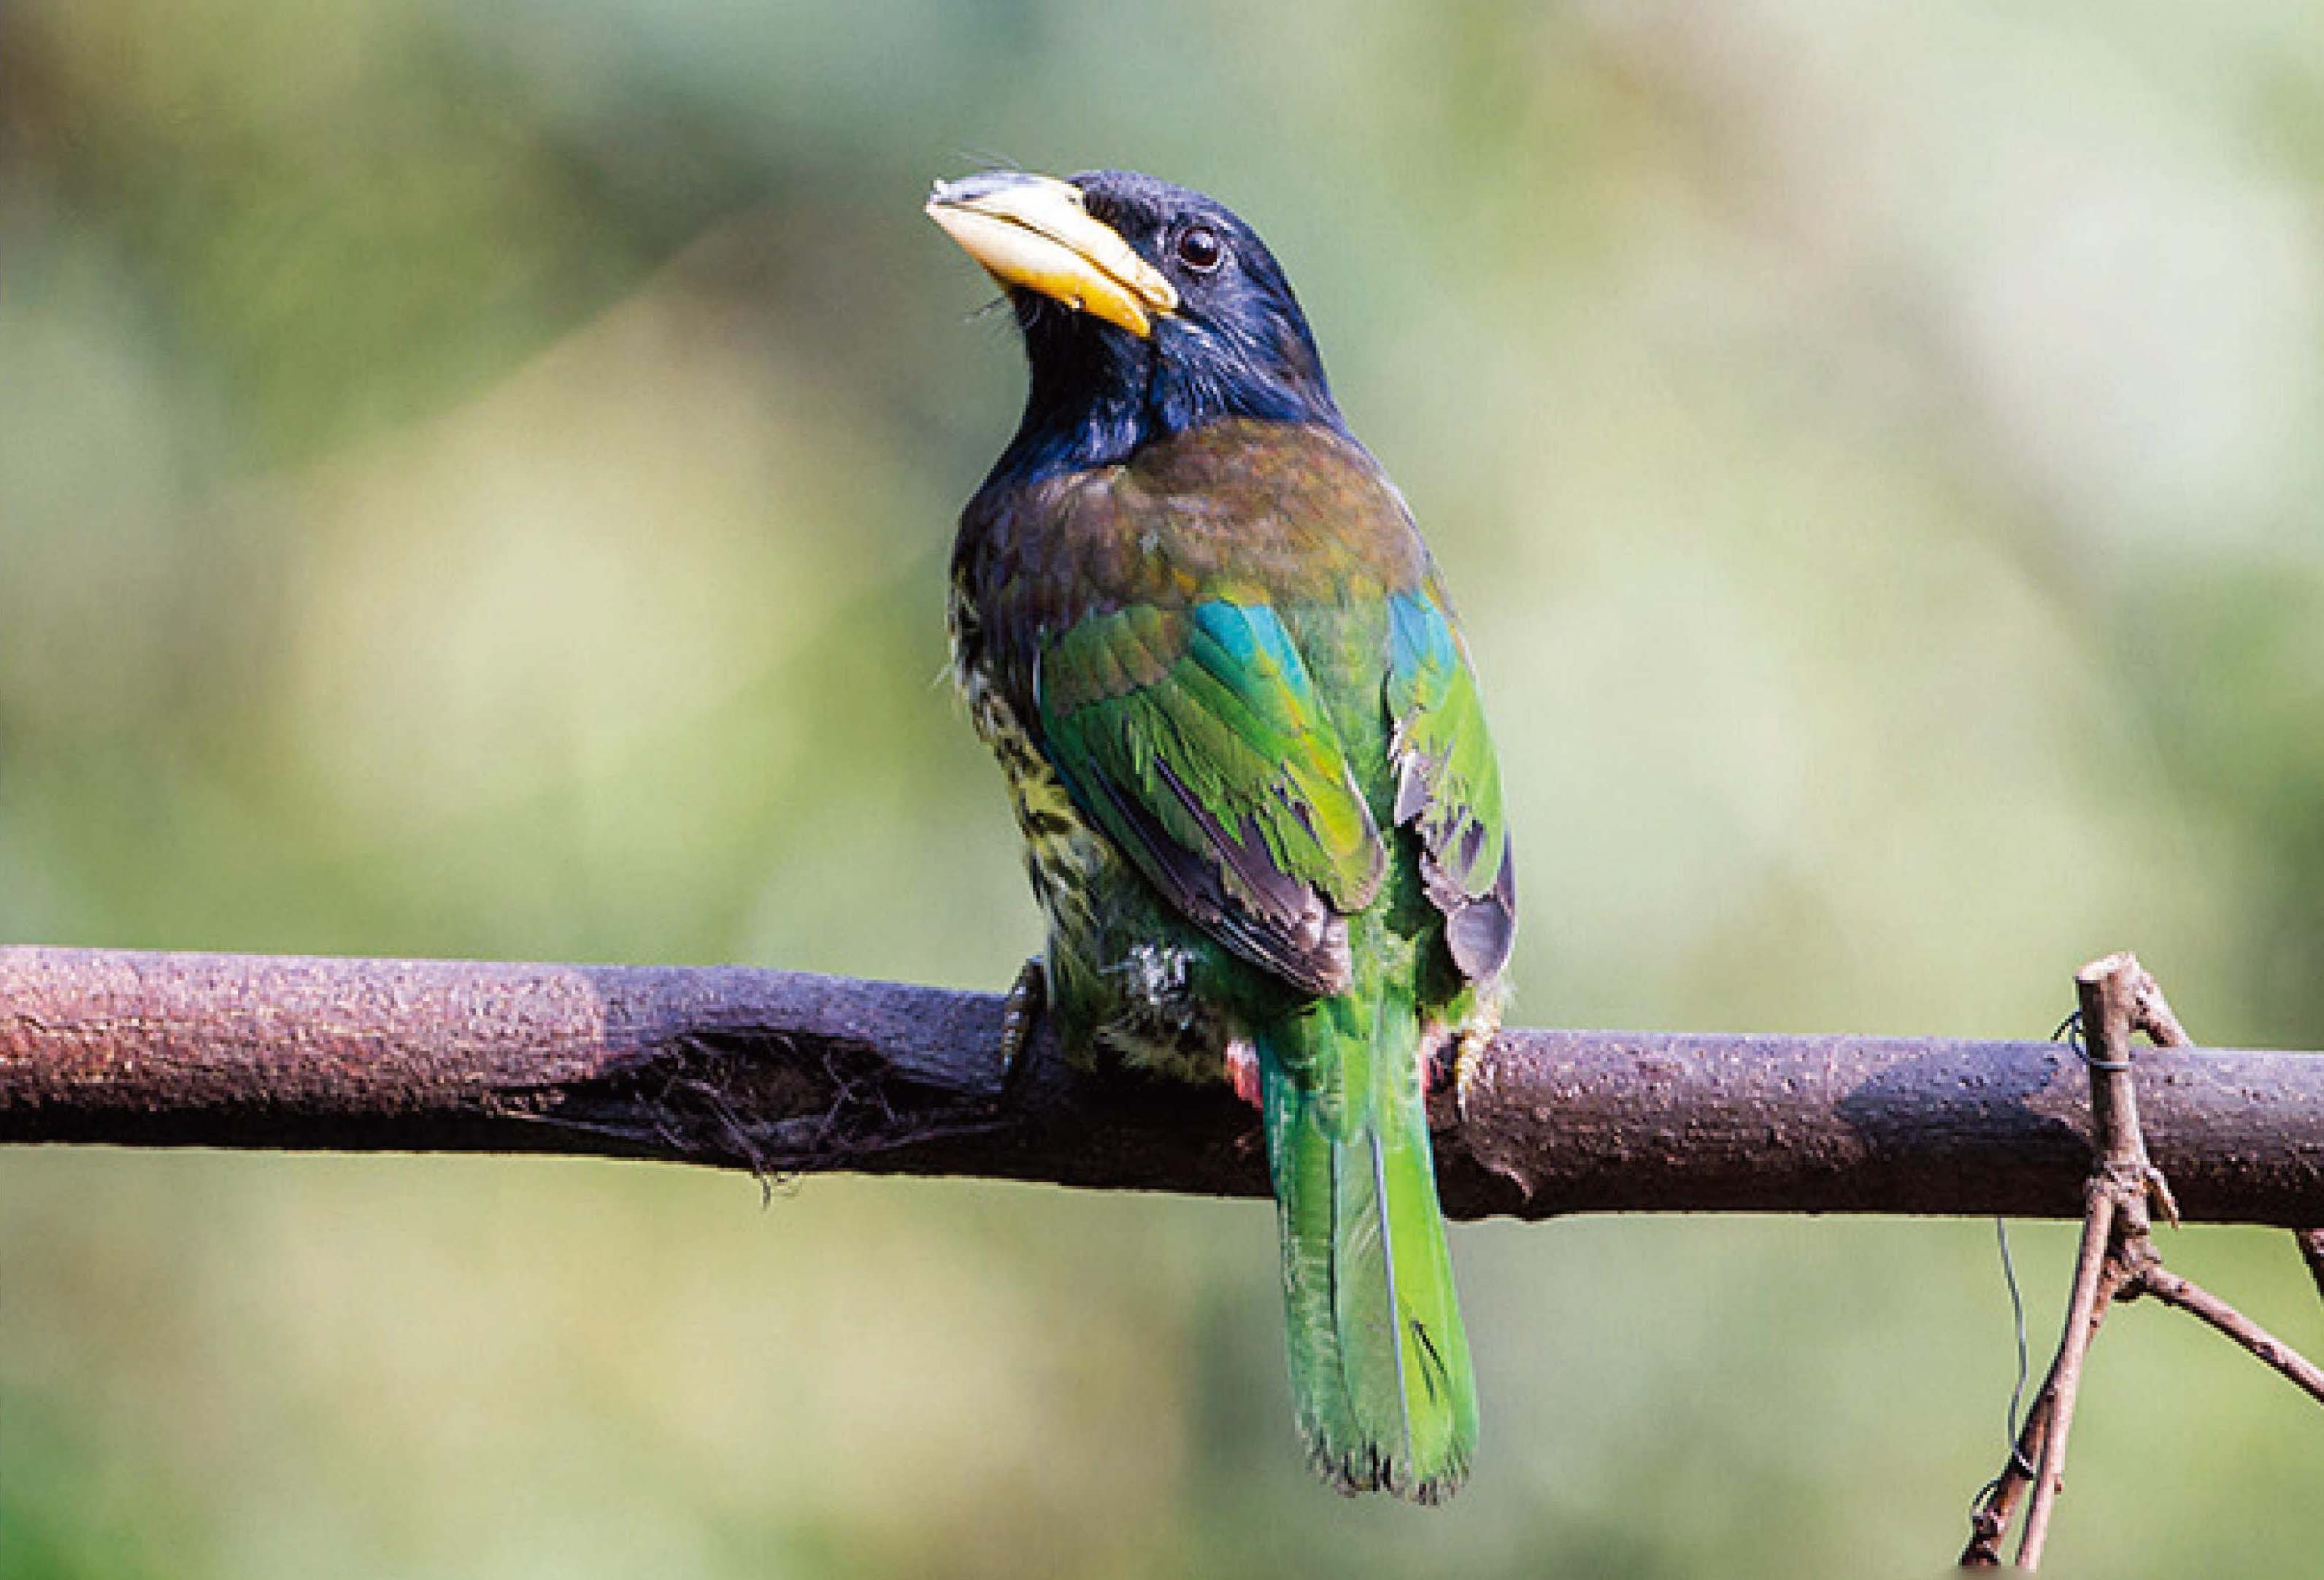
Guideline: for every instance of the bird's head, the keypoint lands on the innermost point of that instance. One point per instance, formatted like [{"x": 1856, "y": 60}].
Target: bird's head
[{"x": 1147, "y": 309}]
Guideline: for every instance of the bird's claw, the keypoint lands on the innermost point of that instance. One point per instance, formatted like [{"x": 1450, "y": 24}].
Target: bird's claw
[{"x": 1020, "y": 1011}]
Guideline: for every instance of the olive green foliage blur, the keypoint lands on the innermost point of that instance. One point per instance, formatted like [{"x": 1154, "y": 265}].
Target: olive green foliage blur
[{"x": 477, "y": 480}]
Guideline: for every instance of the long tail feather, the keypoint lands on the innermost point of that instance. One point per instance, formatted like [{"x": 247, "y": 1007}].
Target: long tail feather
[{"x": 1380, "y": 1362}]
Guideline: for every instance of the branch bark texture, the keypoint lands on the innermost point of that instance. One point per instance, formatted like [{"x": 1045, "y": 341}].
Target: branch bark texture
[{"x": 782, "y": 1073}]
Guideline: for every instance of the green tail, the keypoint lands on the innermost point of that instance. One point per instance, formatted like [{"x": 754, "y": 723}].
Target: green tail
[{"x": 1378, "y": 1360}]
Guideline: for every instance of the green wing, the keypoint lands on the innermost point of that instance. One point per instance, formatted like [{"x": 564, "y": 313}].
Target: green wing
[
  {"x": 1448, "y": 784},
  {"x": 1195, "y": 738}
]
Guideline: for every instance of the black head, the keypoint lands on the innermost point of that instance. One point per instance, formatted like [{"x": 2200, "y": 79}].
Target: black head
[{"x": 1230, "y": 341}]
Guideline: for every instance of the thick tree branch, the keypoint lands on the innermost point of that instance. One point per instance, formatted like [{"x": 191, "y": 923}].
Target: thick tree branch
[{"x": 793, "y": 1074}]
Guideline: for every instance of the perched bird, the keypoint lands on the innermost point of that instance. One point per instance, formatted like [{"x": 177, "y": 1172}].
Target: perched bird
[{"x": 1193, "y": 619}]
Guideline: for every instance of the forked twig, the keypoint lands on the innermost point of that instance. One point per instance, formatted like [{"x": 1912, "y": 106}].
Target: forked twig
[{"x": 2118, "y": 1260}]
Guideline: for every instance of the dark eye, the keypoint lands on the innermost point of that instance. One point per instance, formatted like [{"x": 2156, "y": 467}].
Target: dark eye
[{"x": 1199, "y": 248}]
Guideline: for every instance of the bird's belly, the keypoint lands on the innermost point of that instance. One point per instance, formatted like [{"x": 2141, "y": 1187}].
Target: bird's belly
[{"x": 1128, "y": 976}]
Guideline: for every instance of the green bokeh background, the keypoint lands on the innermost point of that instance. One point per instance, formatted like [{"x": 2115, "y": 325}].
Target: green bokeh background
[{"x": 476, "y": 480}]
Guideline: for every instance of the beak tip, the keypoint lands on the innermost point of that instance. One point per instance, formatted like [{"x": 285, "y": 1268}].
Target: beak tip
[{"x": 1035, "y": 233}]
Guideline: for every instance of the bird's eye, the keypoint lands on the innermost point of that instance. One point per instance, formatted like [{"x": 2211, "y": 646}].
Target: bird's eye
[{"x": 1199, "y": 248}]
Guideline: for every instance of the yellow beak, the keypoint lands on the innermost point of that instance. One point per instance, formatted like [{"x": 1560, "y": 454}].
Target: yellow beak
[{"x": 1034, "y": 232}]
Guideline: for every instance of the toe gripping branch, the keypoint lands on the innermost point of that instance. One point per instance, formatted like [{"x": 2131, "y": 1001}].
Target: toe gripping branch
[
  {"x": 2118, "y": 1260},
  {"x": 1020, "y": 1014}
]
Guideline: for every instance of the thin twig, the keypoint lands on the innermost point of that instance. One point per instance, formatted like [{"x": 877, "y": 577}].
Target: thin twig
[
  {"x": 2121, "y": 1177},
  {"x": 2197, "y": 1301},
  {"x": 2095, "y": 1283},
  {"x": 2150, "y": 1012},
  {"x": 2107, "y": 1006},
  {"x": 2117, "y": 995},
  {"x": 1999, "y": 1504}
]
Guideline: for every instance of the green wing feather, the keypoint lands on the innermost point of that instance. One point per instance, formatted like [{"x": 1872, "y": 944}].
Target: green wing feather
[
  {"x": 1449, "y": 783},
  {"x": 1195, "y": 738}
]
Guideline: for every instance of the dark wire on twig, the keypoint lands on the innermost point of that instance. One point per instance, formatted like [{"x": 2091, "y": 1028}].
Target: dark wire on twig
[
  {"x": 2017, "y": 1459},
  {"x": 2070, "y": 1032},
  {"x": 2017, "y": 1322}
]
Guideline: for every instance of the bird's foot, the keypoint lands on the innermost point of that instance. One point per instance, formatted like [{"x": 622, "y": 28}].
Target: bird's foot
[
  {"x": 1242, "y": 1071},
  {"x": 1020, "y": 1011}
]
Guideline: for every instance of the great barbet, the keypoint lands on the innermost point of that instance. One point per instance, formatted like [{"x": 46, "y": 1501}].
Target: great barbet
[{"x": 1195, "y": 621}]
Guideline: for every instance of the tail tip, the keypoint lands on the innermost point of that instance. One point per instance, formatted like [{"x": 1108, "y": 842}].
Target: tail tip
[{"x": 1369, "y": 1468}]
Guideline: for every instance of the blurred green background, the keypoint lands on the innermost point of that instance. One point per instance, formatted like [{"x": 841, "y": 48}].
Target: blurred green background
[{"x": 476, "y": 480}]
